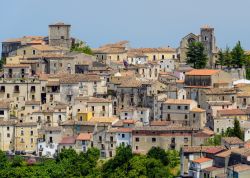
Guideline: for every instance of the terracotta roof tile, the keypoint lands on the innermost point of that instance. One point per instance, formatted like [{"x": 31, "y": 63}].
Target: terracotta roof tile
[
  {"x": 202, "y": 72},
  {"x": 68, "y": 140},
  {"x": 202, "y": 160},
  {"x": 232, "y": 140},
  {"x": 84, "y": 136}
]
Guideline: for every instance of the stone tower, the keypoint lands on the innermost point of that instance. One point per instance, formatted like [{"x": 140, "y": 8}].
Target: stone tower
[
  {"x": 208, "y": 39},
  {"x": 59, "y": 35}
]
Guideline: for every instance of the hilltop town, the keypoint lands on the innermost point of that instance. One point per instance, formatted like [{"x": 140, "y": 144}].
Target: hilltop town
[{"x": 56, "y": 96}]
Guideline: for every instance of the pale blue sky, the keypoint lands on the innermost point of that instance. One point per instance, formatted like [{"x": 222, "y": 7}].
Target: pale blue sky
[{"x": 145, "y": 23}]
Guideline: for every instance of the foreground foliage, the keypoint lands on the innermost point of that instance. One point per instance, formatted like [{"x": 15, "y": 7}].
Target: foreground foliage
[{"x": 157, "y": 163}]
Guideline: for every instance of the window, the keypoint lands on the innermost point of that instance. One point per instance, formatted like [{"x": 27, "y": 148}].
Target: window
[
  {"x": 93, "y": 108},
  {"x": 178, "y": 107},
  {"x": 100, "y": 138},
  {"x": 194, "y": 115},
  {"x": 8, "y": 95},
  {"x": 33, "y": 89},
  {"x": 2, "y": 89},
  {"x": 185, "y": 140},
  {"x": 103, "y": 108},
  {"x": 31, "y": 132},
  {"x": 1, "y": 112},
  {"x": 62, "y": 37},
  {"x": 137, "y": 139},
  {"x": 22, "y": 133},
  {"x": 8, "y": 135},
  {"x": 33, "y": 107},
  {"x": 186, "y": 107},
  {"x": 154, "y": 57},
  {"x": 8, "y": 128},
  {"x": 186, "y": 116},
  {"x": 111, "y": 139},
  {"x": 123, "y": 135},
  {"x": 169, "y": 107},
  {"x": 16, "y": 89},
  {"x": 136, "y": 147},
  {"x": 162, "y": 57},
  {"x": 31, "y": 140},
  {"x": 168, "y": 117},
  {"x": 153, "y": 139},
  {"x": 24, "y": 52},
  {"x": 21, "y": 140},
  {"x": 126, "y": 114},
  {"x": 34, "y": 52},
  {"x": 78, "y": 110}
]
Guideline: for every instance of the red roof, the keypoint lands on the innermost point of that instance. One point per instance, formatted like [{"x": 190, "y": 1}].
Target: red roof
[
  {"x": 129, "y": 121},
  {"x": 202, "y": 72},
  {"x": 84, "y": 136},
  {"x": 121, "y": 130},
  {"x": 214, "y": 150},
  {"x": 68, "y": 140},
  {"x": 202, "y": 160}
]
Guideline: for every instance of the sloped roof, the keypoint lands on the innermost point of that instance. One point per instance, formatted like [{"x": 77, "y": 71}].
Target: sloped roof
[
  {"x": 202, "y": 72},
  {"x": 84, "y": 136}
]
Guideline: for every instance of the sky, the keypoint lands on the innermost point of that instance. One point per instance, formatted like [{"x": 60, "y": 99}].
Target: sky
[{"x": 145, "y": 23}]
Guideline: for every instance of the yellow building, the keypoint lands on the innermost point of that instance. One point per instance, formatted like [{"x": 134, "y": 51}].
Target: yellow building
[
  {"x": 84, "y": 116},
  {"x": 26, "y": 137}
]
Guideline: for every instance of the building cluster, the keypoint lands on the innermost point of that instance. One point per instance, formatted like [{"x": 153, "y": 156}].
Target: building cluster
[{"x": 53, "y": 98}]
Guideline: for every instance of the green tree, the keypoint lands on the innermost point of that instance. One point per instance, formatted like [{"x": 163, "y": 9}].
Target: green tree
[
  {"x": 17, "y": 161},
  {"x": 214, "y": 141},
  {"x": 173, "y": 157},
  {"x": 3, "y": 160},
  {"x": 235, "y": 131},
  {"x": 82, "y": 48},
  {"x": 2, "y": 62},
  {"x": 238, "y": 55},
  {"x": 196, "y": 55},
  {"x": 158, "y": 153},
  {"x": 227, "y": 57},
  {"x": 122, "y": 157},
  {"x": 221, "y": 59}
]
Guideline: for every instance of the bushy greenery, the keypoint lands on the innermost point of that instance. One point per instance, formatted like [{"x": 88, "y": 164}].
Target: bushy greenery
[
  {"x": 70, "y": 164},
  {"x": 196, "y": 55},
  {"x": 2, "y": 62},
  {"x": 230, "y": 132},
  {"x": 82, "y": 48}
]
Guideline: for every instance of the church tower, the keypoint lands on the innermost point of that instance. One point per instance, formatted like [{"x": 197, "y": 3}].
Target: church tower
[
  {"x": 208, "y": 39},
  {"x": 59, "y": 35}
]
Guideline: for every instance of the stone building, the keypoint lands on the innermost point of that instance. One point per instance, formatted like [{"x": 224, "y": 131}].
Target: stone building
[
  {"x": 207, "y": 38},
  {"x": 184, "y": 112},
  {"x": 59, "y": 35}
]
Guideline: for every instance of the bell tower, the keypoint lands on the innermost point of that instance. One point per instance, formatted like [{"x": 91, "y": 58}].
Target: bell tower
[
  {"x": 208, "y": 40},
  {"x": 59, "y": 35}
]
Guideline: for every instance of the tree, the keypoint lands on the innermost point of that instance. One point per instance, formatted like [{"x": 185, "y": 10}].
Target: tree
[
  {"x": 235, "y": 131},
  {"x": 158, "y": 153},
  {"x": 2, "y": 62},
  {"x": 238, "y": 55},
  {"x": 221, "y": 59},
  {"x": 17, "y": 161},
  {"x": 123, "y": 155},
  {"x": 3, "y": 160},
  {"x": 82, "y": 48},
  {"x": 196, "y": 55},
  {"x": 227, "y": 57},
  {"x": 214, "y": 141},
  {"x": 173, "y": 157}
]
